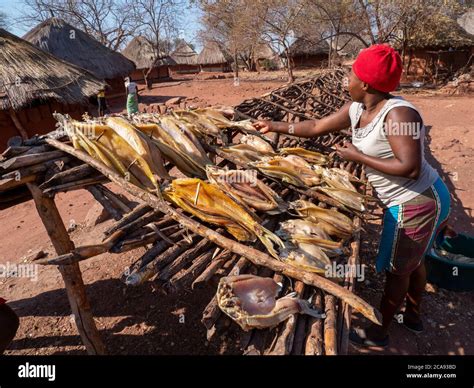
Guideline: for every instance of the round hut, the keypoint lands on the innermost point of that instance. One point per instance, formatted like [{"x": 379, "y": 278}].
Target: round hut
[
  {"x": 185, "y": 58},
  {"x": 307, "y": 53},
  {"x": 34, "y": 84},
  {"x": 72, "y": 45},
  {"x": 214, "y": 58},
  {"x": 150, "y": 65}
]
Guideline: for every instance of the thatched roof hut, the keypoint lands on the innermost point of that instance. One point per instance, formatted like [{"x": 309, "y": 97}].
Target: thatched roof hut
[
  {"x": 213, "y": 57},
  {"x": 266, "y": 58},
  {"x": 184, "y": 54},
  {"x": 185, "y": 58},
  {"x": 141, "y": 51},
  {"x": 436, "y": 52},
  {"x": 308, "y": 53},
  {"x": 75, "y": 46},
  {"x": 33, "y": 84},
  {"x": 443, "y": 34},
  {"x": 29, "y": 74},
  {"x": 150, "y": 66}
]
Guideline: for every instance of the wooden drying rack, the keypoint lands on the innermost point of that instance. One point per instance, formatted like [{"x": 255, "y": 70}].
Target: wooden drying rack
[{"x": 184, "y": 252}]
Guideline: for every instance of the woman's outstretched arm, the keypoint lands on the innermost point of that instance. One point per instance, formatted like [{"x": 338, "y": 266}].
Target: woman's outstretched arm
[{"x": 309, "y": 128}]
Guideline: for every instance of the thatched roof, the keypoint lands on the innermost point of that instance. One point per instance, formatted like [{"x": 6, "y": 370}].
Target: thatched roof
[
  {"x": 75, "y": 46},
  {"x": 213, "y": 54},
  {"x": 307, "y": 47},
  {"x": 140, "y": 50},
  {"x": 184, "y": 54},
  {"x": 442, "y": 33},
  {"x": 28, "y": 74},
  {"x": 264, "y": 51}
]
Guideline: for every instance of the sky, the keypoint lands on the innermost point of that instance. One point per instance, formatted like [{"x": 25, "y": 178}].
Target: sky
[{"x": 190, "y": 21}]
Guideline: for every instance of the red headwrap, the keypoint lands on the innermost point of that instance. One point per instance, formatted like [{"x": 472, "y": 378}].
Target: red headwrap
[{"x": 380, "y": 66}]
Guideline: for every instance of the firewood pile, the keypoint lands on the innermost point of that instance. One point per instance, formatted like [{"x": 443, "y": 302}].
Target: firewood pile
[
  {"x": 462, "y": 83},
  {"x": 184, "y": 253}
]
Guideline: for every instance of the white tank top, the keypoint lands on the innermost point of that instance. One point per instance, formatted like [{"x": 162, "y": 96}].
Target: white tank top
[{"x": 372, "y": 140}]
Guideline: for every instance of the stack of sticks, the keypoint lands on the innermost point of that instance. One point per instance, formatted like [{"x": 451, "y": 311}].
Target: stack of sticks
[{"x": 308, "y": 98}]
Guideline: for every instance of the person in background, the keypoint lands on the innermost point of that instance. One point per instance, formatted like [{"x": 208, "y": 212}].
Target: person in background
[
  {"x": 388, "y": 139},
  {"x": 9, "y": 324},
  {"x": 132, "y": 96},
  {"x": 102, "y": 105}
]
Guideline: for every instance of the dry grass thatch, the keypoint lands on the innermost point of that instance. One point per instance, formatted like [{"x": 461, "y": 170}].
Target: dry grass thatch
[
  {"x": 306, "y": 47},
  {"x": 28, "y": 74},
  {"x": 75, "y": 46},
  {"x": 442, "y": 33},
  {"x": 141, "y": 51},
  {"x": 213, "y": 54},
  {"x": 184, "y": 54}
]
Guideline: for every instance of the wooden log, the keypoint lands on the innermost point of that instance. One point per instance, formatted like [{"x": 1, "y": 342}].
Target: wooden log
[
  {"x": 18, "y": 125},
  {"x": 183, "y": 260},
  {"x": 76, "y": 185},
  {"x": 315, "y": 342},
  {"x": 136, "y": 213},
  {"x": 255, "y": 256},
  {"x": 81, "y": 253},
  {"x": 185, "y": 278},
  {"x": 284, "y": 343},
  {"x": 212, "y": 268},
  {"x": 151, "y": 253},
  {"x": 10, "y": 183},
  {"x": 114, "y": 199},
  {"x": 330, "y": 333},
  {"x": 136, "y": 242},
  {"x": 28, "y": 160},
  {"x": 106, "y": 204},
  {"x": 148, "y": 271},
  {"x": 71, "y": 273},
  {"x": 345, "y": 312},
  {"x": 72, "y": 174}
]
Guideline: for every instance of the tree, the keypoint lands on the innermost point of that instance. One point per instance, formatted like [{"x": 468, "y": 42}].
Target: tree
[
  {"x": 159, "y": 23},
  {"x": 109, "y": 21},
  {"x": 280, "y": 19},
  {"x": 234, "y": 25}
]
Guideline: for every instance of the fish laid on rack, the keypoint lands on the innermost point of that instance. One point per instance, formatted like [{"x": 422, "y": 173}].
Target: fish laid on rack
[
  {"x": 177, "y": 143},
  {"x": 120, "y": 147},
  {"x": 244, "y": 153},
  {"x": 308, "y": 245},
  {"x": 312, "y": 157},
  {"x": 258, "y": 143},
  {"x": 331, "y": 221},
  {"x": 245, "y": 188},
  {"x": 348, "y": 198},
  {"x": 251, "y": 302},
  {"x": 209, "y": 203},
  {"x": 290, "y": 169}
]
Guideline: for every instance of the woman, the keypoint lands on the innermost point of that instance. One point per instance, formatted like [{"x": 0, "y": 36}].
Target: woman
[
  {"x": 387, "y": 137},
  {"x": 9, "y": 323},
  {"x": 131, "y": 89}
]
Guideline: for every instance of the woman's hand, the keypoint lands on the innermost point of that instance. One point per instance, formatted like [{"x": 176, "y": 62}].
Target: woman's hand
[
  {"x": 263, "y": 126},
  {"x": 348, "y": 151}
]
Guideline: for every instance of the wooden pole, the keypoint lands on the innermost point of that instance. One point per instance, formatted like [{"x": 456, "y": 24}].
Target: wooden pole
[
  {"x": 71, "y": 274},
  {"x": 21, "y": 130}
]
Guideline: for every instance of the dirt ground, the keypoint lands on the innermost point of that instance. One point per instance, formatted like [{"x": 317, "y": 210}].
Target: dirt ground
[{"x": 144, "y": 320}]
